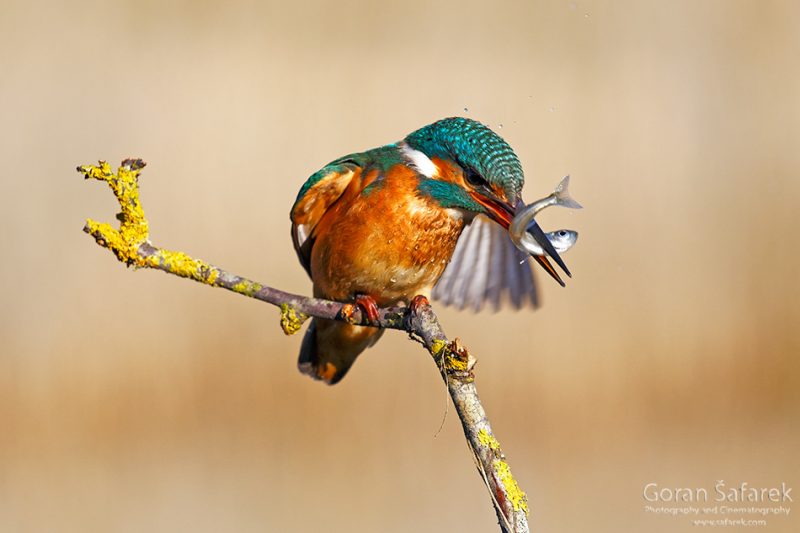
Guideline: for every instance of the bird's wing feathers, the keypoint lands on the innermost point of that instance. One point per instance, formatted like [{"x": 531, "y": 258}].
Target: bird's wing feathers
[
  {"x": 486, "y": 268},
  {"x": 316, "y": 196}
]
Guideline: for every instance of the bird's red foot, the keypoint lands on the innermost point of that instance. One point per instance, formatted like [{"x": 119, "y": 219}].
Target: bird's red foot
[
  {"x": 418, "y": 302},
  {"x": 368, "y": 306}
]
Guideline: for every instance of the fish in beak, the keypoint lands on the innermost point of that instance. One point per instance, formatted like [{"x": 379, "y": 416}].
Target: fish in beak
[{"x": 503, "y": 213}]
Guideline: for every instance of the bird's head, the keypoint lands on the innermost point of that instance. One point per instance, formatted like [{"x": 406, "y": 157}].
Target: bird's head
[
  {"x": 472, "y": 168},
  {"x": 467, "y": 154}
]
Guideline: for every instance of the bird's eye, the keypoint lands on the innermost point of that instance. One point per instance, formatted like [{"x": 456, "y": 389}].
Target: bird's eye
[{"x": 474, "y": 179}]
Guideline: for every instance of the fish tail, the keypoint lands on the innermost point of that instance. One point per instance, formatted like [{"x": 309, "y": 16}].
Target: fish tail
[{"x": 562, "y": 195}]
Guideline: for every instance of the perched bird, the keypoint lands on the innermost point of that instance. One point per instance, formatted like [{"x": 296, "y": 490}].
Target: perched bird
[{"x": 424, "y": 216}]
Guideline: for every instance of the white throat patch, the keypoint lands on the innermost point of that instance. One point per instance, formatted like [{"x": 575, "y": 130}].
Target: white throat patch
[{"x": 420, "y": 161}]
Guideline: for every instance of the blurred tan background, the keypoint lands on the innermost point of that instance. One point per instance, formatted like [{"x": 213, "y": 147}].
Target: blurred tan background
[{"x": 135, "y": 401}]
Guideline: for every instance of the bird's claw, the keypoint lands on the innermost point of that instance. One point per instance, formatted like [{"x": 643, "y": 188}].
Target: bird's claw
[
  {"x": 417, "y": 303},
  {"x": 368, "y": 307}
]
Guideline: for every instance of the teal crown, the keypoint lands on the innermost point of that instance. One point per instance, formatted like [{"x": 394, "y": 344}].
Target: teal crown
[{"x": 474, "y": 147}]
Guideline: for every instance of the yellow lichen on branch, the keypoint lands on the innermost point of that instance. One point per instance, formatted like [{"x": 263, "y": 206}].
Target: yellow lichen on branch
[
  {"x": 453, "y": 357},
  {"x": 247, "y": 287},
  {"x": 488, "y": 440},
  {"x": 291, "y": 319},
  {"x": 126, "y": 242},
  {"x": 518, "y": 498},
  {"x": 183, "y": 265},
  {"x": 133, "y": 230}
]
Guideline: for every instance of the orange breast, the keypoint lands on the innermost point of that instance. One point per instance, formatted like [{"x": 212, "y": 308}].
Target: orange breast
[{"x": 387, "y": 242}]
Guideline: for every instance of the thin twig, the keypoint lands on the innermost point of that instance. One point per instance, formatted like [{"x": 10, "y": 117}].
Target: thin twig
[{"x": 130, "y": 243}]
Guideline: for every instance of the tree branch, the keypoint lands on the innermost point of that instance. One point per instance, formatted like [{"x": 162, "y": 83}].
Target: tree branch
[{"x": 130, "y": 243}]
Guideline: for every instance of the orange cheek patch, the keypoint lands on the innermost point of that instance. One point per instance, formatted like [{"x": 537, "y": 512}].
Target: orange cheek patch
[{"x": 449, "y": 171}]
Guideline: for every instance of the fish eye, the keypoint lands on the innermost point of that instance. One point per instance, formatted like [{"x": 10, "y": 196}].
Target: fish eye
[{"x": 562, "y": 233}]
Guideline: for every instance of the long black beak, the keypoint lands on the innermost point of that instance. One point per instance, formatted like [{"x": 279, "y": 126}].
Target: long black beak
[
  {"x": 544, "y": 242},
  {"x": 503, "y": 214}
]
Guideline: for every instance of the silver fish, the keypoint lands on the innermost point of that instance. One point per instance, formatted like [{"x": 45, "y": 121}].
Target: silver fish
[{"x": 561, "y": 240}]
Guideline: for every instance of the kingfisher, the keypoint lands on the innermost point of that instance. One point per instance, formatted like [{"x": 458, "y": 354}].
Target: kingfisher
[{"x": 423, "y": 217}]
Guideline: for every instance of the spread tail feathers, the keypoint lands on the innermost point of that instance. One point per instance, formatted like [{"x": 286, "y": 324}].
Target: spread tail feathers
[{"x": 330, "y": 348}]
